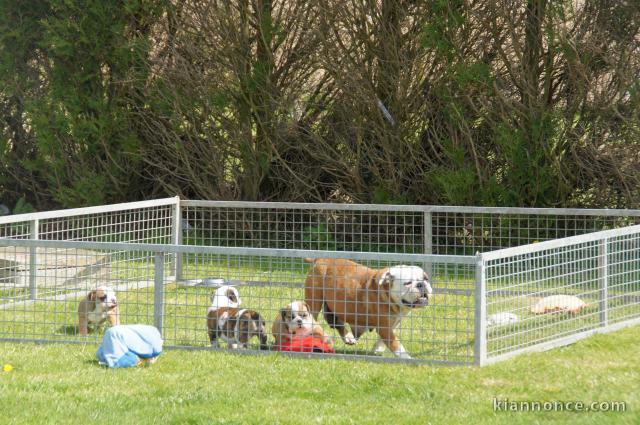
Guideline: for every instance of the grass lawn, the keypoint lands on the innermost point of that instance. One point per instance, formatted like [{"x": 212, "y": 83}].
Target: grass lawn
[{"x": 63, "y": 384}]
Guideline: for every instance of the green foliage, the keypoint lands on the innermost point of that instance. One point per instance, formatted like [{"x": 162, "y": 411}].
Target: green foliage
[
  {"x": 117, "y": 100},
  {"x": 439, "y": 33},
  {"x": 472, "y": 75},
  {"x": 79, "y": 122},
  {"x": 23, "y": 207},
  {"x": 386, "y": 195},
  {"x": 319, "y": 237},
  {"x": 527, "y": 176}
]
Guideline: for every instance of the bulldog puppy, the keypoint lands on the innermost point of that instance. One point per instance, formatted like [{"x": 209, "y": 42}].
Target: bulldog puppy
[
  {"x": 296, "y": 320},
  {"x": 97, "y": 307},
  {"x": 225, "y": 296},
  {"x": 236, "y": 327},
  {"x": 365, "y": 299},
  {"x": 558, "y": 304}
]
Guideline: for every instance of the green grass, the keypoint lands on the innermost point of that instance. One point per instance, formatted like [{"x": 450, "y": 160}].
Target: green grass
[{"x": 62, "y": 384}]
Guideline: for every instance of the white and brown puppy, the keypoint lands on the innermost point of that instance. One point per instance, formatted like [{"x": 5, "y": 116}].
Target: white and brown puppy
[
  {"x": 296, "y": 320},
  {"x": 96, "y": 308},
  {"x": 225, "y": 296},
  {"x": 366, "y": 299},
  {"x": 236, "y": 327}
]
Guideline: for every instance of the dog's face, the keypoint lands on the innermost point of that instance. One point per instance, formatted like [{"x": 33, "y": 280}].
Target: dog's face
[
  {"x": 408, "y": 286},
  {"x": 297, "y": 318},
  {"x": 104, "y": 297},
  {"x": 226, "y": 296}
]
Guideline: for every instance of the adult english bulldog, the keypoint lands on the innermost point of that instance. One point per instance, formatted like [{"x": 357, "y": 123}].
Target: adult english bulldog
[{"x": 365, "y": 298}]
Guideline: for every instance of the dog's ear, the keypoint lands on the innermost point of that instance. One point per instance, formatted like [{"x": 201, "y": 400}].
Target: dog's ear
[
  {"x": 255, "y": 316},
  {"x": 92, "y": 295},
  {"x": 425, "y": 276},
  {"x": 385, "y": 280},
  {"x": 283, "y": 314},
  {"x": 231, "y": 294}
]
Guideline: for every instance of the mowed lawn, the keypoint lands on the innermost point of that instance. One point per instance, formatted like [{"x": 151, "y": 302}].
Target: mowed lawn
[{"x": 63, "y": 384}]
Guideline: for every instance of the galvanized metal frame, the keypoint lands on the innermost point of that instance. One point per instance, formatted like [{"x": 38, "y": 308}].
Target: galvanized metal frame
[
  {"x": 472, "y": 226},
  {"x": 588, "y": 274},
  {"x": 159, "y": 280}
]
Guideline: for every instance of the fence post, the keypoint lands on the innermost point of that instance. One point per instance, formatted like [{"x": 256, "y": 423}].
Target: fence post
[
  {"x": 428, "y": 241},
  {"x": 480, "y": 319},
  {"x": 34, "y": 234},
  {"x": 176, "y": 239},
  {"x": 603, "y": 271},
  {"x": 158, "y": 291}
]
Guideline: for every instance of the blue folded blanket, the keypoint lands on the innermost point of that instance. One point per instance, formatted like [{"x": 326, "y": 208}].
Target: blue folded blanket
[{"x": 125, "y": 345}]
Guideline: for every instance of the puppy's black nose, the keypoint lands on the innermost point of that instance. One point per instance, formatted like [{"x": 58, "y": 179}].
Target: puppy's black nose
[{"x": 420, "y": 285}]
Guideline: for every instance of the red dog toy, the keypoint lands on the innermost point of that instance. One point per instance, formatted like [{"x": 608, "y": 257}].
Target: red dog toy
[{"x": 306, "y": 344}]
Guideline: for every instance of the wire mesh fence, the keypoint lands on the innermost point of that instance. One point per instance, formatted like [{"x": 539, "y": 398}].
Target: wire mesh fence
[
  {"x": 473, "y": 230},
  {"x": 267, "y": 282},
  {"x": 165, "y": 261},
  {"x": 553, "y": 293},
  {"x": 385, "y": 228},
  {"x": 22, "y": 271}
]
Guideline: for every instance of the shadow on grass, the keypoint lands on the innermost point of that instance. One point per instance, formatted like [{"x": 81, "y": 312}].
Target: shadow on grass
[
  {"x": 68, "y": 330},
  {"x": 74, "y": 331}
]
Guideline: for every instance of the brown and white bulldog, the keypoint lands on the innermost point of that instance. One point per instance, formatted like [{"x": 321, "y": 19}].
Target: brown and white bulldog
[
  {"x": 225, "y": 296},
  {"x": 97, "y": 307},
  {"x": 236, "y": 327},
  {"x": 366, "y": 299},
  {"x": 296, "y": 320}
]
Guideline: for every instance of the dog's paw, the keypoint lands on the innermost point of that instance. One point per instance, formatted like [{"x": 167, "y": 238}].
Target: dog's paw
[
  {"x": 349, "y": 339},
  {"x": 327, "y": 339},
  {"x": 379, "y": 347},
  {"x": 402, "y": 353}
]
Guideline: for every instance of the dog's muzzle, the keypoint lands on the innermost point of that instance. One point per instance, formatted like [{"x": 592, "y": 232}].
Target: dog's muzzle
[
  {"x": 425, "y": 294},
  {"x": 420, "y": 302}
]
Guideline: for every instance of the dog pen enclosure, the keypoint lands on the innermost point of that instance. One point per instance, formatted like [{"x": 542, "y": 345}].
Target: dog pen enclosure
[{"x": 165, "y": 258}]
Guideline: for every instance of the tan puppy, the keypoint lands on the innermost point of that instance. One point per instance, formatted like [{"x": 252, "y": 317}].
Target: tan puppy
[
  {"x": 559, "y": 303},
  {"x": 236, "y": 327},
  {"x": 97, "y": 307},
  {"x": 296, "y": 320},
  {"x": 366, "y": 299}
]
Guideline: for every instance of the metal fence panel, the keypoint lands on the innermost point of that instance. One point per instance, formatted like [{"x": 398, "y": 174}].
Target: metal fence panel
[
  {"x": 267, "y": 280},
  {"x": 139, "y": 222},
  {"x": 385, "y": 228},
  {"x": 165, "y": 259},
  {"x": 561, "y": 290}
]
